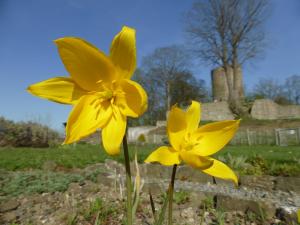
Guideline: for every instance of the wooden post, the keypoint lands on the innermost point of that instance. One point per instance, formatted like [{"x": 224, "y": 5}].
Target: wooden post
[
  {"x": 279, "y": 141},
  {"x": 248, "y": 137},
  {"x": 298, "y": 135},
  {"x": 276, "y": 137}
]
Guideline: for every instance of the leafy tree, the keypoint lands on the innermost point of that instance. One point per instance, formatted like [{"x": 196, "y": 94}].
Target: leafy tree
[{"x": 185, "y": 87}]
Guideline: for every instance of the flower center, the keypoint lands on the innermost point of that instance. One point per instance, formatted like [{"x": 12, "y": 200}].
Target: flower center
[
  {"x": 107, "y": 95},
  {"x": 189, "y": 143}
]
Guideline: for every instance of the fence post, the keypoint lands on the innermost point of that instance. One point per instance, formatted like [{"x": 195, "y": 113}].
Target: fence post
[
  {"x": 248, "y": 137},
  {"x": 279, "y": 137},
  {"x": 276, "y": 137},
  {"x": 298, "y": 135}
]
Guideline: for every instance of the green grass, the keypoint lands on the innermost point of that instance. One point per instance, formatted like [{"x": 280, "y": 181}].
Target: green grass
[
  {"x": 270, "y": 153},
  {"x": 273, "y": 160},
  {"x": 260, "y": 160},
  {"x": 68, "y": 156},
  {"x": 38, "y": 181}
]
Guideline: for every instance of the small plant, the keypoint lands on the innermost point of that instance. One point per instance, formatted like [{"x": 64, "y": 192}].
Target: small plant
[
  {"x": 92, "y": 175},
  {"x": 208, "y": 203},
  {"x": 98, "y": 213},
  {"x": 250, "y": 216},
  {"x": 95, "y": 206},
  {"x": 236, "y": 162},
  {"x": 262, "y": 214},
  {"x": 181, "y": 197},
  {"x": 220, "y": 216},
  {"x": 72, "y": 219},
  {"x": 141, "y": 138},
  {"x": 258, "y": 165}
]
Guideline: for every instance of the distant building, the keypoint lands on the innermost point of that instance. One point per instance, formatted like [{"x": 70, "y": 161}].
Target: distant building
[{"x": 219, "y": 83}]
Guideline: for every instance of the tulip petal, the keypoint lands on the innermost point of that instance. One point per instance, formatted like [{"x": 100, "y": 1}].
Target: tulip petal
[
  {"x": 113, "y": 132},
  {"x": 195, "y": 161},
  {"x": 193, "y": 116},
  {"x": 85, "y": 63},
  {"x": 212, "y": 137},
  {"x": 123, "y": 51},
  {"x": 220, "y": 170},
  {"x": 176, "y": 127},
  {"x": 165, "y": 156},
  {"x": 59, "y": 89},
  {"x": 86, "y": 117},
  {"x": 134, "y": 101}
]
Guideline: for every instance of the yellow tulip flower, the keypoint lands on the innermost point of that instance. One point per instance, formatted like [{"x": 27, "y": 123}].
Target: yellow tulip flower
[
  {"x": 194, "y": 145},
  {"x": 99, "y": 87}
]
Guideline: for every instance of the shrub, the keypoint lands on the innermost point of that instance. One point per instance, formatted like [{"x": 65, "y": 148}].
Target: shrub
[{"x": 26, "y": 134}]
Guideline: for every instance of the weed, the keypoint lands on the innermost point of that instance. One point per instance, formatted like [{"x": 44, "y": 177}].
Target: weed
[
  {"x": 208, "y": 203},
  {"x": 262, "y": 214},
  {"x": 92, "y": 175},
  {"x": 99, "y": 213},
  {"x": 181, "y": 197},
  {"x": 72, "y": 219},
  {"x": 220, "y": 216},
  {"x": 250, "y": 216},
  {"x": 236, "y": 162}
]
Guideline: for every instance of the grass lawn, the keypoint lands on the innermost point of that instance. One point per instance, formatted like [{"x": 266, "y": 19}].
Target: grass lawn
[{"x": 272, "y": 160}]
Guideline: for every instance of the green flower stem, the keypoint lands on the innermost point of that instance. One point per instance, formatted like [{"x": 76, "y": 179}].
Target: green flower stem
[
  {"x": 128, "y": 181},
  {"x": 171, "y": 190}
]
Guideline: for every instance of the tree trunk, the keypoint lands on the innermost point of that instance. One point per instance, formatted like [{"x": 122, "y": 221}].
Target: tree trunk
[
  {"x": 229, "y": 80},
  {"x": 168, "y": 96},
  {"x": 237, "y": 92}
]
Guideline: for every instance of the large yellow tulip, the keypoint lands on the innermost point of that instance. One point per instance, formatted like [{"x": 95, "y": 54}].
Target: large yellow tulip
[{"x": 99, "y": 87}]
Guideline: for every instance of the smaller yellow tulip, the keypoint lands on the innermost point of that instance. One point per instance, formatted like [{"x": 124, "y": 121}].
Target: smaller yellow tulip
[{"x": 194, "y": 145}]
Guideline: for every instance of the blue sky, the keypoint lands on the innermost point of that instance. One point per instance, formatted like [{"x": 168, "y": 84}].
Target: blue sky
[{"x": 28, "y": 55}]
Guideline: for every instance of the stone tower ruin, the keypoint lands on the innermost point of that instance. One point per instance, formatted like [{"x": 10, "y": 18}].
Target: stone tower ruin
[{"x": 219, "y": 84}]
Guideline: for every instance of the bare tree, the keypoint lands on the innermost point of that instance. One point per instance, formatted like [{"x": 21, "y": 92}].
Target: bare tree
[
  {"x": 268, "y": 88},
  {"x": 292, "y": 88},
  {"x": 163, "y": 65},
  {"x": 156, "y": 104},
  {"x": 227, "y": 33}
]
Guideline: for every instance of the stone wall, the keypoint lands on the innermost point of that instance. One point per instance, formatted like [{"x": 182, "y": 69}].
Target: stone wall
[
  {"x": 135, "y": 132},
  {"x": 266, "y": 109},
  {"x": 216, "y": 111}
]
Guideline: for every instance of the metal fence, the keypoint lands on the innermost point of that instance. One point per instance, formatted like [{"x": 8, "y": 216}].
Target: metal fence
[
  {"x": 255, "y": 136},
  {"x": 278, "y": 136}
]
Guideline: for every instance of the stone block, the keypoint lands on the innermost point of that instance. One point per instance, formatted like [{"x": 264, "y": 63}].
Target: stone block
[
  {"x": 216, "y": 111},
  {"x": 263, "y": 209},
  {"x": 266, "y": 109},
  {"x": 287, "y": 184}
]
